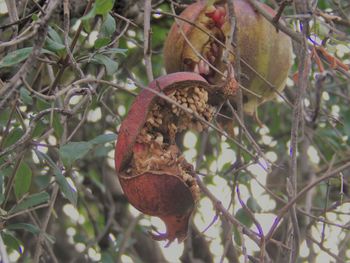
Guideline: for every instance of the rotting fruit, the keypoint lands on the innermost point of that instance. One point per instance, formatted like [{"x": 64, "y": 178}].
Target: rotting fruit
[
  {"x": 155, "y": 177},
  {"x": 265, "y": 52}
]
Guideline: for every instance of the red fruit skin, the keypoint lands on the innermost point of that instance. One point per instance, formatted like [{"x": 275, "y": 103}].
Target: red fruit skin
[
  {"x": 155, "y": 193},
  {"x": 218, "y": 16},
  {"x": 164, "y": 196},
  {"x": 174, "y": 44}
]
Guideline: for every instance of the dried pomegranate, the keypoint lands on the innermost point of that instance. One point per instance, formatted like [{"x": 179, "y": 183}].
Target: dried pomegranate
[
  {"x": 265, "y": 52},
  {"x": 154, "y": 175}
]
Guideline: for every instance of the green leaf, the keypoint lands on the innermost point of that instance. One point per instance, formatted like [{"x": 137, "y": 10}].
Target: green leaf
[
  {"x": 42, "y": 104},
  {"x": 103, "y": 6},
  {"x": 15, "y": 57},
  {"x": 253, "y": 205},
  {"x": 57, "y": 125},
  {"x": 42, "y": 181},
  {"x": 115, "y": 51},
  {"x": 101, "y": 42},
  {"x": 237, "y": 236},
  {"x": 79, "y": 238},
  {"x": 30, "y": 201},
  {"x": 66, "y": 189},
  {"x": 4, "y": 117},
  {"x": 108, "y": 27},
  {"x": 25, "y": 96},
  {"x": 55, "y": 43},
  {"x": 104, "y": 138},
  {"x": 86, "y": 23},
  {"x": 35, "y": 17},
  {"x": 24, "y": 226},
  {"x": 96, "y": 179},
  {"x": 106, "y": 257},
  {"x": 110, "y": 65},
  {"x": 23, "y": 179},
  {"x": 73, "y": 151},
  {"x": 54, "y": 35},
  {"x": 101, "y": 151},
  {"x": 11, "y": 241},
  {"x": 13, "y": 136},
  {"x": 243, "y": 217},
  {"x": 40, "y": 127},
  {"x": 88, "y": 16},
  {"x": 346, "y": 117},
  {"x": 44, "y": 157},
  {"x": 54, "y": 46},
  {"x": 18, "y": 56}
]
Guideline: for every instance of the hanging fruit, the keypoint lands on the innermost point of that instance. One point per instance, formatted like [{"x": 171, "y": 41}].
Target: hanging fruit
[
  {"x": 266, "y": 53},
  {"x": 154, "y": 175}
]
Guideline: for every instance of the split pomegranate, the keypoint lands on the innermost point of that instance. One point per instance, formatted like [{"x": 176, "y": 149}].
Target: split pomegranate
[
  {"x": 265, "y": 52},
  {"x": 154, "y": 175}
]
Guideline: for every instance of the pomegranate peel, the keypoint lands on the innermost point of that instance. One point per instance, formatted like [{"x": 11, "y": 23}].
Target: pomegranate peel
[
  {"x": 180, "y": 56},
  {"x": 155, "y": 177},
  {"x": 217, "y": 14},
  {"x": 266, "y": 55}
]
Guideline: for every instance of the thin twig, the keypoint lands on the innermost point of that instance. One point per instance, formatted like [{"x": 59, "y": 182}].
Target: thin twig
[
  {"x": 71, "y": 48},
  {"x": 249, "y": 136},
  {"x": 236, "y": 74},
  {"x": 45, "y": 222},
  {"x": 301, "y": 193},
  {"x": 257, "y": 224},
  {"x": 13, "y": 15},
  {"x": 219, "y": 206},
  {"x": 303, "y": 73},
  {"x": 294, "y": 35},
  {"x": 126, "y": 237},
  {"x": 27, "y": 135},
  {"x": 11, "y": 180},
  {"x": 147, "y": 35},
  {"x": 328, "y": 251}
]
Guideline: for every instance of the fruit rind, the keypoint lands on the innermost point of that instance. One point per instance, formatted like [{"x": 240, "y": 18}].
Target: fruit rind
[{"x": 265, "y": 52}]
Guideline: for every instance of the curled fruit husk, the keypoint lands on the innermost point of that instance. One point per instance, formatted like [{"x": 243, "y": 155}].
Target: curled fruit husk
[
  {"x": 266, "y": 54},
  {"x": 154, "y": 176}
]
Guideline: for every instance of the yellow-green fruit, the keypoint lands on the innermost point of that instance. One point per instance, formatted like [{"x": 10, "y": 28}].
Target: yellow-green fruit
[{"x": 266, "y": 54}]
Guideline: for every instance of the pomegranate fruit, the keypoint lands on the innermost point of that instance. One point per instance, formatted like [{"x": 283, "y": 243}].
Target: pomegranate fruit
[
  {"x": 155, "y": 177},
  {"x": 265, "y": 53}
]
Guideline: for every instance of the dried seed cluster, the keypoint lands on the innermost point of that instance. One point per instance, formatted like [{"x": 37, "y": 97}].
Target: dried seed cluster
[
  {"x": 165, "y": 159},
  {"x": 152, "y": 130},
  {"x": 196, "y": 99},
  {"x": 191, "y": 182},
  {"x": 155, "y": 149},
  {"x": 154, "y": 157},
  {"x": 155, "y": 117}
]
